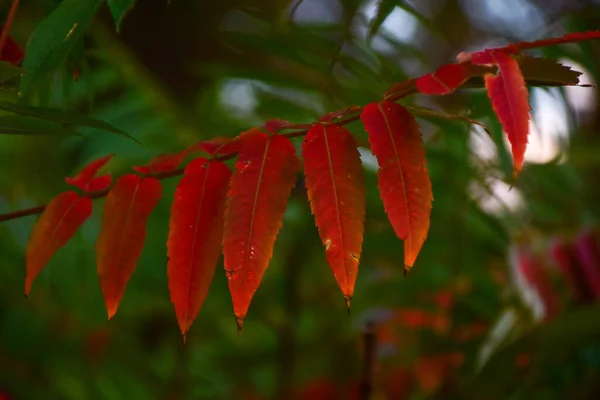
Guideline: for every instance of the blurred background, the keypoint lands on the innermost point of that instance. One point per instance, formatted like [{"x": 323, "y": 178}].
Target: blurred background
[{"x": 501, "y": 304}]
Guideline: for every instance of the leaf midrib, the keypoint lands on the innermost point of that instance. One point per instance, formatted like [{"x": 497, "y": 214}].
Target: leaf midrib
[
  {"x": 251, "y": 227},
  {"x": 387, "y": 123},
  {"x": 337, "y": 207}
]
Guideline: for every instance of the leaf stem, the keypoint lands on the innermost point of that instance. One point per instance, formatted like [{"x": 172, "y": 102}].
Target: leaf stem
[{"x": 7, "y": 24}]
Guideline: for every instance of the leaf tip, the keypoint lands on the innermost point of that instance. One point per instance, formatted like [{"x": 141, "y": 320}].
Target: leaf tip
[
  {"x": 184, "y": 336},
  {"x": 348, "y": 301},
  {"x": 407, "y": 269},
  {"x": 111, "y": 311},
  {"x": 240, "y": 324}
]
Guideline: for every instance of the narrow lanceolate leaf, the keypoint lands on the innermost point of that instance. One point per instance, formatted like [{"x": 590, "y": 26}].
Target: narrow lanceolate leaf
[
  {"x": 510, "y": 100},
  {"x": 57, "y": 224},
  {"x": 336, "y": 191},
  {"x": 403, "y": 179},
  {"x": 87, "y": 181},
  {"x": 195, "y": 236},
  {"x": 264, "y": 175},
  {"x": 119, "y": 245}
]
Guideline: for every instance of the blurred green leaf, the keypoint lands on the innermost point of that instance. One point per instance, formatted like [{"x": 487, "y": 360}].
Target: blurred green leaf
[
  {"x": 54, "y": 38},
  {"x": 120, "y": 8},
  {"x": 8, "y": 71},
  {"x": 19, "y": 125},
  {"x": 62, "y": 117},
  {"x": 384, "y": 9}
]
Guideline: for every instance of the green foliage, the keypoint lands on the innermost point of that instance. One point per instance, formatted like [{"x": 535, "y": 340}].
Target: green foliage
[
  {"x": 120, "y": 8},
  {"x": 54, "y": 38}
]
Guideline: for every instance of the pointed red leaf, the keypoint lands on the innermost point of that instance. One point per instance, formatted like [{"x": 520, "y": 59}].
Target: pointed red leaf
[
  {"x": 85, "y": 180},
  {"x": 57, "y": 224},
  {"x": 403, "y": 179},
  {"x": 336, "y": 191},
  {"x": 224, "y": 145},
  {"x": 121, "y": 239},
  {"x": 99, "y": 183},
  {"x": 195, "y": 236},
  {"x": 264, "y": 175},
  {"x": 443, "y": 81},
  {"x": 510, "y": 101},
  {"x": 165, "y": 162}
]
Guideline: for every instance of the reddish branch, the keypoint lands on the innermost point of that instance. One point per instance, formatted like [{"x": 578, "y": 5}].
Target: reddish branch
[
  {"x": 178, "y": 172},
  {"x": 7, "y": 24},
  {"x": 396, "y": 92}
]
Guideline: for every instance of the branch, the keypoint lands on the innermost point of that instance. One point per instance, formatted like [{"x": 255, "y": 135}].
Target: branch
[
  {"x": 396, "y": 92},
  {"x": 7, "y": 24},
  {"x": 177, "y": 172}
]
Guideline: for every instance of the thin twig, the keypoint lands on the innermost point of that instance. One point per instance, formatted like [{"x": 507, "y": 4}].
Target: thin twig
[
  {"x": 368, "y": 366},
  {"x": 7, "y": 24}
]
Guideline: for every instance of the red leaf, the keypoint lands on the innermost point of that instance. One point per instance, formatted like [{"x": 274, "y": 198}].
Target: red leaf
[
  {"x": 11, "y": 52},
  {"x": 264, "y": 175},
  {"x": 275, "y": 125},
  {"x": 57, "y": 224},
  {"x": 443, "y": 81},
  {"x": 510, "y": 100},
  {"x": 222, "y": 145},
  {"x": 403, "y": 179},
  {"x": 336, "y": 190},
  {"x": 164, "y": 162},
  {"x": 121, "y": 239},
  {"x": 195, "y": 235},
  {"x": 217, "y": 145},
  {"x": 85, "y": 180}
]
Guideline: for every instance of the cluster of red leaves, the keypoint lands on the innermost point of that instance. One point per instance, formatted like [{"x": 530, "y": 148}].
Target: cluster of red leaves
[
  {"x": 506, "y": 88},
  {"x": 240, "y": 213}
]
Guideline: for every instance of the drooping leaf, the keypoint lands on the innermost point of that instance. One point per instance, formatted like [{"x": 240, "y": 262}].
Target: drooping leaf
[
  {"x": 119, "y": 246},
  {"x": 118, "y": 9},
  {"x": 510, "y": 100},
  {"x": 54, "y": 38},
  {"x": 86, "y": 180},
  {"x": 336, "y": 191},
  {"x": 264, "y": 175},
  {"x": 20, "y": 125},
  {"x": 67, "y": 118},
  {"x": 403, "y": 179},
  {"x": 444, "y": 80},
  {"x": 57, "y": 224},
  {"x": 195, "y": 236}
]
